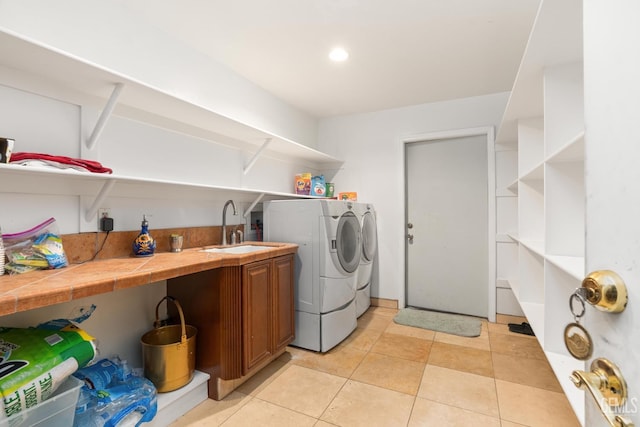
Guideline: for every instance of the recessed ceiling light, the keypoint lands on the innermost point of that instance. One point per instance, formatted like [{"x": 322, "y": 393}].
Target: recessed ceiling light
[{"x": 338, "y": 54}]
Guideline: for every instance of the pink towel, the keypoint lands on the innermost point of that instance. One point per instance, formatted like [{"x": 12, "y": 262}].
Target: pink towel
[{"x": 89, "y": 165}]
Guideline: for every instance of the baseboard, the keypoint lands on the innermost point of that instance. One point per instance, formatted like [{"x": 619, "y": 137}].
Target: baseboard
[{"x": 383, "y": 302}]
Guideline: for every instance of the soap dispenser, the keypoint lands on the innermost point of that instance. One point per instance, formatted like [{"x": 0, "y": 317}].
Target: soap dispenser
[{"x": 144, "y": 244}]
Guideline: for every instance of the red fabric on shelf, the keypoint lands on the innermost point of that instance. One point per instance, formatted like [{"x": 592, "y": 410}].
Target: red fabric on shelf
[{"x": 89, "y": 165}]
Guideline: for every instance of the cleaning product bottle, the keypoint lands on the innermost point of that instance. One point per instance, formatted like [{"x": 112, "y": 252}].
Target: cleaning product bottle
[
  {"x": 144, "y": 244},
  {"x": 318, "y": 186}
]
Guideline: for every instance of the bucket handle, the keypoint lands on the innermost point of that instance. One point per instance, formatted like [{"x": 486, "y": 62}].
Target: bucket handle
[{"x": 156, "y": 324}]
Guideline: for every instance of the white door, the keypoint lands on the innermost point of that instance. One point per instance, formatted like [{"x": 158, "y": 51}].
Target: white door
[
  {"x": 447, "y": 225},
  {"x": 612, "y": 164}
]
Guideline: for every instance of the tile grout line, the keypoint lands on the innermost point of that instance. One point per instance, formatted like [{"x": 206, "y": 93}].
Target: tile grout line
[{"x": 495, "y": 383}]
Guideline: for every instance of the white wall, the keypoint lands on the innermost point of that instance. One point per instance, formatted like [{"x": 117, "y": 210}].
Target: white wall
[
  {"x": 112, "y": 36},
  {"x": 370, "y": 145}
]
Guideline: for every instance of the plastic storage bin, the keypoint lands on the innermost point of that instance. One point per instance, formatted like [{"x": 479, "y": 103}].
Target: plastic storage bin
[{"x": 57, "y": 411}]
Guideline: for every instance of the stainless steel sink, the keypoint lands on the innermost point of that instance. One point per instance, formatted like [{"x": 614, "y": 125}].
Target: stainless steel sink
[{"x": 243, "y": 249}]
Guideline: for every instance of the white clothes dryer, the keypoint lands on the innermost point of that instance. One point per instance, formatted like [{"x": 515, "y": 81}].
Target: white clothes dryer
[
  {"x": 328, "y": 236},
  {"x": 367, "y": 217}
]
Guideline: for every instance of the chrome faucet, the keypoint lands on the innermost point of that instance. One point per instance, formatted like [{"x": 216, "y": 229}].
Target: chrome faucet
[{"x": 224, "y": 219}]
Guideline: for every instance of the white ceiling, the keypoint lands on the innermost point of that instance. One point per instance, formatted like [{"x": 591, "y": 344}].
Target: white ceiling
[{"x": 402, "y": 52}]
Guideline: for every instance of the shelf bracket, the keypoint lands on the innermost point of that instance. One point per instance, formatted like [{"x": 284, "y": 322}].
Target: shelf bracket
[
  {"x": 253, "y": 205},
  {"x": 104, "y": 116},
  {"x": 255, "y": 157},
  {"x": 104, "y": 192}
]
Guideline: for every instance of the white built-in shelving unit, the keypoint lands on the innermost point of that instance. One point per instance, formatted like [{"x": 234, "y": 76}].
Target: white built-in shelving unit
[
  {"x": 544, "y": 119},
  {"x": 43, "y": 70}
]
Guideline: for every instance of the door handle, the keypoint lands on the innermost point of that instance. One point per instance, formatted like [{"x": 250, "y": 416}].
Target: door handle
[
  {"x": 608, "y": 388},
  {"x": 409, "y": 235}
]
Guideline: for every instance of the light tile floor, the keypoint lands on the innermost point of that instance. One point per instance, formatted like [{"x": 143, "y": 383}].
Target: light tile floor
[{"x": 385, "y": 374}]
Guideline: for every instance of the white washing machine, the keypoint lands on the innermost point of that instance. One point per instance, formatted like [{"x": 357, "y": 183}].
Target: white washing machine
[
  {"x": 328, "y": 236},
  {"x": 367, "y": 217}
]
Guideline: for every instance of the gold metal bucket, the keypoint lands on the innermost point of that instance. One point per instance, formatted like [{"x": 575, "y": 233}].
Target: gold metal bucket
[{"x": 169, "y": 352}]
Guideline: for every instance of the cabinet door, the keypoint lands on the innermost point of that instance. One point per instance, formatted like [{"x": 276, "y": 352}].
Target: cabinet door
[
  {"x": 283, "y": 316},
  {"x": 256, "y": 317}
]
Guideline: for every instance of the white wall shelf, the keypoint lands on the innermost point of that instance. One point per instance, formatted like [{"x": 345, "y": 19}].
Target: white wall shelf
[
  {"x": 514, "y": 236},
  {"x": 502, "y": 283},
  {"x": 514, "y": 284},
  {"x": 544, "y": 119},
  {"x": 531, "y": 210},
  {"x": 36, "y": 180},
  {"x": 534, "y": 174},
  {"x": 565, "y": 209},
  {"x": 572, "y": 265},
  {"x": 556, "y": 38},
  {"x": 35, "y": 68},
  {"x": 504, "y": 238},
  {"x": 535, "y": 246},
  {"x": 561, "y": 364},
  {"x": 571, "y": 152},
  {"x": 530, "y": 145},
  {"x": 96, "y": 187},
  {"x": 534, "y": 313},
  {"x": 530, "y": 277}
]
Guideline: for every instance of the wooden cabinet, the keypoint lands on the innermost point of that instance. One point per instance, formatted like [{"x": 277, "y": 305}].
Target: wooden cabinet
[
  {"x": 282, "y": 307},
  {"x": 256, "y": 314},
  {"x": 267, "y": 309},
  {"x": 244, "y": 316}
]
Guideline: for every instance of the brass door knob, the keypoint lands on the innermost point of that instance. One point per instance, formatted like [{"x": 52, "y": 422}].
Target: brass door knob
[{"x": 606, "y": 291}]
